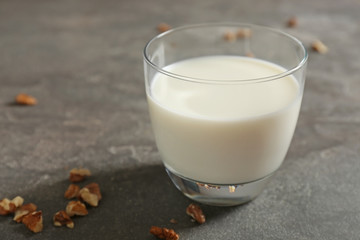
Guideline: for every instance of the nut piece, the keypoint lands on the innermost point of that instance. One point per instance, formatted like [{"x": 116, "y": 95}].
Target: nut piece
[
  {"x": 79, "y": 174},
  {"x": 196, "y": 213},
  {"x": 61, "y": 218},
  {"x": 230, "y": 37},
  {"x": 7, "y": 206},
  {"x": 34, "y": 221},
  {"x": 24, "y": 210},
  {"x": 91, "y": 194},
  {"x": 95, "y": 189},
  {"x": 292, "y": 22},
  {"x": 72, "y": 191},
  {"x": 88, "y": 197},
  {"x": 319, "y": 47},
  {"x": 163, "y": 27},
  {"x": 25, "y": 99},
  {"x": 76, "y": 208},
  {"x": 164, "y": 233},
  {"x": 16, "y": 203},
  {"x": 244, "y": 33}
]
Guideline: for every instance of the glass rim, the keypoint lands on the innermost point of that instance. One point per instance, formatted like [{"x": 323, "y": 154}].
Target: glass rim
[{"x": 232, "y": 81}]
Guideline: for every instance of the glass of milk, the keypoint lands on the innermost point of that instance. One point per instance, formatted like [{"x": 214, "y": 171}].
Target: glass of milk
[{"x": 224, "y": 100}]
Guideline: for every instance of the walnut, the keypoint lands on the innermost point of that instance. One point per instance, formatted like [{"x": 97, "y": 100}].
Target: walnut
[
  {"x": 319, "y": 47},
  {"x": 230, "y": 37},
  {"x": 61, "y": 218},
  {"x": 95, "y": 189},
  {"x": 79, "y": 174},
  {"x": 24, "y": 99},
  {"x": 7, "y": 206},
  {"x": 34, "y": 221},
  {"x": 163, "y": 27},
  {"x": 196, "y": 213},
  {"x": 24, "y": 210},
  {"x": 292, "y": 22},
  {"x": 72, "y": 191},
  {"x": 88, "y": 197},
  {"x": 76, "y": 208},
  {"x": 164, "y": 233},
  {"x": 91, "y": 194},
  {"x": 243, "y": 33},
  {"x": 17, "y": 201}
]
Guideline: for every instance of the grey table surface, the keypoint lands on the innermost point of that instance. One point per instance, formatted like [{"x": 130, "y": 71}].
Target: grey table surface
[{"x": 82, "y": 60}]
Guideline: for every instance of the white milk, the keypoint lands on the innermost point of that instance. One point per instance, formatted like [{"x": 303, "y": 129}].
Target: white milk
[{"x": 223, "y": 133}]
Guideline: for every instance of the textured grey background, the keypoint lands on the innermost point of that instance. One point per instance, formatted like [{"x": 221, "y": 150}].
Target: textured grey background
[{"x": 83, "y": 61}]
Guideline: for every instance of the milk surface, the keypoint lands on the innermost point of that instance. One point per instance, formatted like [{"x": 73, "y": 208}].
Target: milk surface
[{"x": 223, "y": 133}]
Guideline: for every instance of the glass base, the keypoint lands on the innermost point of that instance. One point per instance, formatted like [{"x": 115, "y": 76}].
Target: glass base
[{"x": 219, "y": 194}]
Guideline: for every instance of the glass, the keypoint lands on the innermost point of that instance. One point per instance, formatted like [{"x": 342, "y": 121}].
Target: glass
[{"x": 221, "y": 136}]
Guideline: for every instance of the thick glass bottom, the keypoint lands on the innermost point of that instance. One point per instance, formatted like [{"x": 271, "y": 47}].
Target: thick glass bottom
[{"x": 219, "y": 194}]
